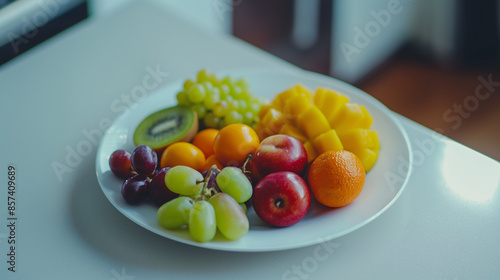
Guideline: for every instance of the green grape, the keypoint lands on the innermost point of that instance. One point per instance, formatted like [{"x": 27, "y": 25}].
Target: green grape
[
  {"x": 193, "y": 196},
  {"x": 202, "y": 222},
  {"x": 232, "y": 117},
  {"x": 242, "y": 83},
  {"x": 246, "y": 95},
  {"x": 183, "y": 99},
  {"x": 224, "y": 91},
  {"x": 229, "y": 99},
  {"x": 202, "y": 76},
  {"x": 230, "y": 218},
  {"x": 219, "y": 102},
  {"x": 242, "y": 106},
  {"x": 232, "y": 181},
  {"x": 234, "y": 105},
  {"x": 197, "y": 93},
  {"x": 255, "y": 106},
  {"x": 211, "y": 99},
  {"x": 200, "y": 110},
  {"x": 236, "y": 92},
  {"x": 220, "y": 108},
  {"x": 175, "y": 213},
  {"x": 243, "y": 207},
  {"x": 188, "y": 84},
  {"x": 211, "y": 120},
  {"x": 248, "y": 118},
  {"x": 183, "y": 180},
  {"x": 228, "y": 81},
  {"x": 208, "y": 87},
  {"x": 214, "y": 79}
]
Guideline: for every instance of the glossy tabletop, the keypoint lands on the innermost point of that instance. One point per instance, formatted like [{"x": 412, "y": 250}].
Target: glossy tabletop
[{"x": 59, "y": 98}]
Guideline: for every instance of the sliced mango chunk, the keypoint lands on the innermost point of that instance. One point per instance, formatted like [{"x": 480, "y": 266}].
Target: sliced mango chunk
[
  {"x": 368, "y": 158},
  {"x": 263, "y": 110},
  {"x": 311, "y": 151},
  {"x": 330, "y": 103},
  {"x": 296, "y": 106},
  {"x": 363, "y": 143},
  {"x": 353, "y": 116},
  {"x": 304, "y": 91},
  {"x": 279, "y": 101},
  {"x": 291, "y": 130},
  {"x": 312, "y": 122},
  {"x": 274, "y": 120},
  {"x": 328, "y": 141},
  {"x": 262, "y": 131}
]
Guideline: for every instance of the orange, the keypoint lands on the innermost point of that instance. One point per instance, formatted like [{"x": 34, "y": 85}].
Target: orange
[
  {"x": 234, "y": 143},
  {"x": 211, "y": 160},
  {"x": 204, "y": 140},
  {"x": 182, "y": 153},
  {"x": 336, "y": 178}
]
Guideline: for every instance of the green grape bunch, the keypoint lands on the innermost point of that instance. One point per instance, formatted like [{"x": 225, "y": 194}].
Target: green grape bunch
[
  {"x": 220, "y": 102},
  {"x": 207, "y": 204}
]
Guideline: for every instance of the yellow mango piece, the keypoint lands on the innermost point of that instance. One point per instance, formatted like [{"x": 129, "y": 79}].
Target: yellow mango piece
[
  {"x": 328, "y": 141},
  {"x": 363, "y": 143},
  {"x": 354, "y": 139},
  {"x": 289, "y": 129},
  {"x": 312, "y": 122},
  {"x": 330, "y": 103},
  {"x": 367, "y": 121},
  {"x": 296, "y": 106},
  {"x": 311, "y": 151},
  {"x": 304, "y": 91},
  {"x": 274, "y": 120},
  {"x": 263, "y": 110},
  {"x": 280, "y": 99},
  {"x": 374, "y": 142},
  {"x": 368, "y": 158},
  {"x": 262, "y": 132},
  {"x": 349, "y": 117}
]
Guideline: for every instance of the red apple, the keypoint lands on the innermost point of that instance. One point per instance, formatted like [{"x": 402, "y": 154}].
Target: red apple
[
  {"x": 281, "y": 199},
  {"x": 280, "y": 153}
]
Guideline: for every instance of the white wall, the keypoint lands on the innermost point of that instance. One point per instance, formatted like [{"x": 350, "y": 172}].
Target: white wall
[
  {"x": 365, "y": 33},
  {"x": 435, "y": 32},
  {"x": 210, "y": 15}
]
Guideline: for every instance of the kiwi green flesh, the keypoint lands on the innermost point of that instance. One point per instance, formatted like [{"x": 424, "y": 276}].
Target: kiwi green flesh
[{"x": 165, "y": 127}]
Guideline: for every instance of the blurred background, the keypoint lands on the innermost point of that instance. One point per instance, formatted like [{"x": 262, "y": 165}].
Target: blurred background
[{"x": 434, "y": 62}]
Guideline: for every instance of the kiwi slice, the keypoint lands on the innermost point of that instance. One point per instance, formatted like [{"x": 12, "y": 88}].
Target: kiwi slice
[{"x": 164, "y": 127}]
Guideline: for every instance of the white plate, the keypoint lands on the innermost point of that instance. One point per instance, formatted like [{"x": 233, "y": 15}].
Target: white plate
[{"x": 384, "y": 183}]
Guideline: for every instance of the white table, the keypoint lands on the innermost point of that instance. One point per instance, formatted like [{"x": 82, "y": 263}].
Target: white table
[{"x": 58, "y": 97}]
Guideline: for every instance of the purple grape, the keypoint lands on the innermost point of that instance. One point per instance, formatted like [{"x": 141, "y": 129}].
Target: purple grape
[
  {"x": 157, "y": 189},
  {"x": 120, "y": 164},
  {"x": 134, "y": 189},
  {"x": 144, "y": 160},
  {"x": 211, "y": 183}
]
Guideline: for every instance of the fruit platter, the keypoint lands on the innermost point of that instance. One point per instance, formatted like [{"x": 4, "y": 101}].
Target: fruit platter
[{"x": 254, "y": 160}]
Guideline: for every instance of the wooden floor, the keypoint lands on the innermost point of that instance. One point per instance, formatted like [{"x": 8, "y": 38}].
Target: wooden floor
[{"x": 446, "y": 100}]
